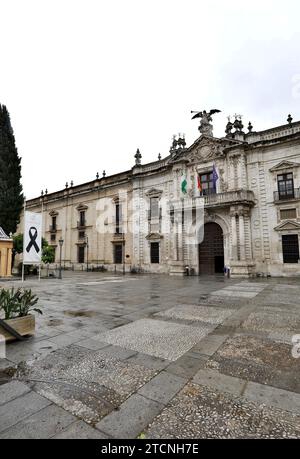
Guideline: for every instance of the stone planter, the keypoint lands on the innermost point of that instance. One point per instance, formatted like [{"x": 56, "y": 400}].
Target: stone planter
[{"x": 23, "y": 325}]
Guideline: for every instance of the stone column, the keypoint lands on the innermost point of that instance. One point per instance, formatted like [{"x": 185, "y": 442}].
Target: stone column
[
  {"x": 9, "y": 261},
  {"x": 243, "y": 171},
  {"x": 235, "y": 172},
  {"x": 179, "y": 239},
  {"x": 234, "y": 252},
  {"x": 174, "y": 256},
  {"x": 3, "y": 266},
  {"x": 239, "y": 172},
  {"x": 242, "y": 235},
  {"x": 240, "y": 161}
]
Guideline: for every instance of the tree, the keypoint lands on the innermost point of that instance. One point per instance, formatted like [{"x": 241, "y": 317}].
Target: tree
[
  {"x": 11, "y": 195},
  {"x": 48, "y": 255},
  {"x": 18, "y": 243}
]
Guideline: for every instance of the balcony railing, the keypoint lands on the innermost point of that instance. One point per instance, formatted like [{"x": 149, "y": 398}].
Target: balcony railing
[
  {"x": 287, "y": 195},
  {"x": 209, "y": 192},
  {"x": 229, "y": 198},
  {"x": 53, "y": 228}
]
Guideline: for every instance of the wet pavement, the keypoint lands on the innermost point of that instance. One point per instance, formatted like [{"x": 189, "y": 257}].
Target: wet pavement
[{"x": 121, "y": 356}]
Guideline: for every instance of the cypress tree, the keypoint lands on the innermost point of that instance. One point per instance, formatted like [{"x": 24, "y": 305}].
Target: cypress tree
[{"x": 11, "y": 196}]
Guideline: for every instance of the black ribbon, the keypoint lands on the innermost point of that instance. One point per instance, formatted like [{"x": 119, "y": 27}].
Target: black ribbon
[{"x": 32, "y": 243}]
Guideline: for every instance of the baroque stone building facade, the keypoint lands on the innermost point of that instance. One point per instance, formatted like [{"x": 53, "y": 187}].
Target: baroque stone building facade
[{"x": 247, "y": 183}]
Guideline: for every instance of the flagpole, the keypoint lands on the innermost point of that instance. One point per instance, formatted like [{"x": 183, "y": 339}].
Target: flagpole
[
  {"x": 22, "y": 272},
  {"x": 23, "y": 240},
  {"x": 41, "y": 239}
]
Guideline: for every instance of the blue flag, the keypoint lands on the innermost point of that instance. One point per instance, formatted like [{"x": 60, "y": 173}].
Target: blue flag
[{"x": 215, "y": 177}]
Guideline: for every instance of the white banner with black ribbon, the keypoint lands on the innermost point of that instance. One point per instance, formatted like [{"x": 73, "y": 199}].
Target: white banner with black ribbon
[{"x": 32, "y": 250}]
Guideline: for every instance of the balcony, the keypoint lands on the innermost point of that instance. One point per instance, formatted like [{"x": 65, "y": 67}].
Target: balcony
[
  {"x": 53, "y": 228},
  {"x": 118, "y": 237},
  {"x": 229, "y": 198},
  {"x": 81, "y": 224},
  {"x": 288, "y": 195}
]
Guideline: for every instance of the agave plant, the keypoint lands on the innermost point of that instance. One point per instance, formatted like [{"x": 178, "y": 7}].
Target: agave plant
[
  {"x": 27, "y": 302},
  {"x": 17, "y": 303},
  {"x": 9, "y": 302}
]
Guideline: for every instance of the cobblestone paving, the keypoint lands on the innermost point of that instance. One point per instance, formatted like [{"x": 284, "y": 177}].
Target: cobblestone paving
[
  {"x": 87, "y": 383},
  {"x": 199, "y": 412},
  {"x": 157, "y": 338},
  {"x": 258, "y": 359},
  {"x": 117, "y": 356},
  {"x": 197, "y": 313}
]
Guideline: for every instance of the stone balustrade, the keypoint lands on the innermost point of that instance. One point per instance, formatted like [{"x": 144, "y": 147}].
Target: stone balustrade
[{"x": 229, "y": 198}]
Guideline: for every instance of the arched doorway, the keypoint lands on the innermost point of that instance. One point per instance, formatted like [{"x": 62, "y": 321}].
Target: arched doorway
[{"x": 211, "y": 251}]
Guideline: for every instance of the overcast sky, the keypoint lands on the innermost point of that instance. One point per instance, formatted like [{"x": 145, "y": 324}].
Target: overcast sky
[{"x": 87, "y": 82}]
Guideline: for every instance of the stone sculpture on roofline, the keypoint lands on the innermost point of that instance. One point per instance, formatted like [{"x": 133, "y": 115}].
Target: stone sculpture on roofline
[{"x": 205, "y": 127}]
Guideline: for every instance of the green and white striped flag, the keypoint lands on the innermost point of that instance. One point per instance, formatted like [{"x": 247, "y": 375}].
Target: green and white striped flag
[{"x": 183, "y": 184}]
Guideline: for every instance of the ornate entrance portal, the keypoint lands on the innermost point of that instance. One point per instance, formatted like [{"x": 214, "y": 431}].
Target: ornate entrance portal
[{"x": 211, "y": 251}]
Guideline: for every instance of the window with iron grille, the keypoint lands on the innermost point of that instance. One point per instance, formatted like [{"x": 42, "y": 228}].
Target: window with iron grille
[
  {"x": 154, "y": 208},
  {"x": 53, "y": 237},
  {"x": 290, "y": 248},
  {"x": 285, "y": 186},
  {"x": 81, "y": 234},
  {"x": 82, "y": 218},
  {"x": 81, "y": 254},
  {"x": 118, "y": 254},
  {"x": 154, "y": 252},
  {"x": 118, "y": 218},
  {"x": 285, "y": 214}
]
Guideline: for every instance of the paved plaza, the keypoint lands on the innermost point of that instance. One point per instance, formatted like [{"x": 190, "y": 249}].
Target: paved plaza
[{"x": 155, "y": 357}]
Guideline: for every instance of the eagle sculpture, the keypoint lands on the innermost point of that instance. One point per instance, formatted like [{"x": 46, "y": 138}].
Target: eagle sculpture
[{"x": 206, "y": 115}]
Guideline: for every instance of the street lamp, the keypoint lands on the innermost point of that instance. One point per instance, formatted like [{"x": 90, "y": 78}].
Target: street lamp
[
  {"x": 124, "y": 261},
  {"x": 87, "y": 253},
  {"x": 61, "y": 241}
]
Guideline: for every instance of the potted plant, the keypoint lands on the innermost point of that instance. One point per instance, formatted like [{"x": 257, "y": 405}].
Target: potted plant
[{"x": 16, "y": 307}]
